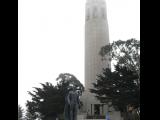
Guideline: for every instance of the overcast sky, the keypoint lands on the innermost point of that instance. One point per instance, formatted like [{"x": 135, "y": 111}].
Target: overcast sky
[{"x": 51, "y": 38}]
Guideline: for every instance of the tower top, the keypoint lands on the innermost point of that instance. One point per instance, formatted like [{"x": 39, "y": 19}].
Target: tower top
[
  {"x": 95, "y": 1},
  {"x": 95, "y": 9}
]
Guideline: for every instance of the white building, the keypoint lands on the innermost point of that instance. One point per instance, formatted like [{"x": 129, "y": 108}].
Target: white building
[{"x": 96, "y": 36}]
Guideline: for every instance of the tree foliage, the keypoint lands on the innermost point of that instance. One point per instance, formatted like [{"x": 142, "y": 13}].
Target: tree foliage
[
  {"x": 20, "y": 113},
  {"x": 29, "y": 116},
  {"x": 122, "y": 86},
  {"x": 67, "y": 80},
  {"x": 125, "y": 53},
  {"x": 48, "y": 101},
  {"x": 118, "y": 87}
]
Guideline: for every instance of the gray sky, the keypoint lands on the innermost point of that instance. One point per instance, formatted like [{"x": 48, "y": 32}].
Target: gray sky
[{"x": 51, "y": 38}]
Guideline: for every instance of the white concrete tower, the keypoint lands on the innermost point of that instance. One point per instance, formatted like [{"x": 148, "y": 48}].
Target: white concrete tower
[{"x": 96, "y": 36}]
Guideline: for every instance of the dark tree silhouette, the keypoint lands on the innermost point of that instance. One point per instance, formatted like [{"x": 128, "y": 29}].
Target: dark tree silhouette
[
  {"x": 48, "y": 102},
  {"x": 118, "y": 87},
  {"x": 124, "y": 53},
  {"x": 20, "y": 113},
  {"x": 122, "y": 86},
  {"x": 28, "y": 116}
]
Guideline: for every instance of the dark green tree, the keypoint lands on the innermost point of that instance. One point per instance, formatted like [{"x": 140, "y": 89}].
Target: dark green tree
[
  {"x": 67, "y": 80},
  {"x": 32, "y": 111},
  {"x": 20, "y": 113},
  {"x": 124, "y": 53},
  {"x": 122, "y": 86},
  {"x": 118, "y": 87},
  {"x": 48, "y": 102},
  {"x": 29, "y": 116}
]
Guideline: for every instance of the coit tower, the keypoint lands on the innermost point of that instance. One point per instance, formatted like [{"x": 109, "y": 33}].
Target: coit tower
[{"x": 96, "y": 36}]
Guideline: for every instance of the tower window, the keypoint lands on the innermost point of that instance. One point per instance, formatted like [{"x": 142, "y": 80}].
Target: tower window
[
  {"x": 94, "y": 12},
  {"x": 87, "y": 14},
  {"x": 103, "y": 13}
]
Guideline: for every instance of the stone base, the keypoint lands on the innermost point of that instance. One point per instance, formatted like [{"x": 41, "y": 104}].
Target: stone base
[
  {"x": 115, "y": 115},
  {"x": 91, "y": 119},
  {"x": 81, "y": 117}
]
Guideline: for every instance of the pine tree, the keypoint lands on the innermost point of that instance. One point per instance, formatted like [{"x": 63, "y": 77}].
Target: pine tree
[
  {"x": 20, "y": 112},
  {"x": 49, "y": 101}
]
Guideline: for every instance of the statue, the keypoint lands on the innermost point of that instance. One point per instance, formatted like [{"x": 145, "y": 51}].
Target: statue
[{"x": 72, "y": 104}]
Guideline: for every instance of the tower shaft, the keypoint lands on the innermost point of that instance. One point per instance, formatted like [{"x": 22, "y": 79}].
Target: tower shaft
[{"x": 96, "y": 36}]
